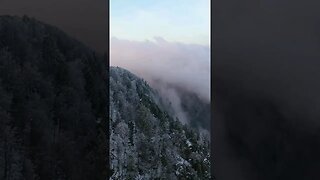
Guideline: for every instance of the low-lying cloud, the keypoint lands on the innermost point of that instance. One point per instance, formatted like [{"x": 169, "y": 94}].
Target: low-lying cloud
[
  {"x": 185, "y": 65},
  {"x": 163, "y": 64}
]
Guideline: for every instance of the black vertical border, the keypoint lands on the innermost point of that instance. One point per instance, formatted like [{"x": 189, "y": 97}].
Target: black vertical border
[
  {"x": 212, "y": 129},
  {"x": 107, "y": 58}
]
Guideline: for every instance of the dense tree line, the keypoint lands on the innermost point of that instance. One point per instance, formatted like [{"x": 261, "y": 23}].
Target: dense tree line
[
  {"x": 146, "y": 142},
  {"x": 53, "y": 104}
]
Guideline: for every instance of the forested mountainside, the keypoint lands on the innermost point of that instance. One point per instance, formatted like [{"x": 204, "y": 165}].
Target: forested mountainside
[
  {"x": 197, "y": 110},
  {"x": 199, "y": 117},
  {"x": 145, "y": 141},
  {"x": 52, "y": 104}
]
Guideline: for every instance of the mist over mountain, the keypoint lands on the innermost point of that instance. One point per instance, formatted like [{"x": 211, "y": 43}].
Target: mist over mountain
[
  {"x": 176, "y": 70},
  {"x": 147, "y": 141},
  {"x": 52, "y": 104},
  {"x": 186, "y": 105}
]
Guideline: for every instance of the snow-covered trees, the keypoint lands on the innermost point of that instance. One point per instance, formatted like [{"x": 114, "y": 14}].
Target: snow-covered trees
[{"x": 146, "y": 142}]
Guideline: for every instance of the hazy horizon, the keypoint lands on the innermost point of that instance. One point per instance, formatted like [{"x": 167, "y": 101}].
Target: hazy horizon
[
  {"x": 184, "y": 21},
  {"x": 163, "y": 40}
]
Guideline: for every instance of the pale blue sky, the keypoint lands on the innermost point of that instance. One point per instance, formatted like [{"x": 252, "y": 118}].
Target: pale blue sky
[{"x": 185, "y": 21}]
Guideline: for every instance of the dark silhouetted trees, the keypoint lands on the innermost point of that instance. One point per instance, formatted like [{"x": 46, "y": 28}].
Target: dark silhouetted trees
[{"x": 53, "y": 104}]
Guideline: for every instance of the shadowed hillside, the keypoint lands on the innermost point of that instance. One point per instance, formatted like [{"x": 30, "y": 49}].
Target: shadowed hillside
[{"x": 52, "y": 104}]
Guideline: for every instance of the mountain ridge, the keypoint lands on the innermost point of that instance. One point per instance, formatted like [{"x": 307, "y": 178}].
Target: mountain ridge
[
  {"x": 142, "y": 132},
  {"x": 52, "y": 104}
]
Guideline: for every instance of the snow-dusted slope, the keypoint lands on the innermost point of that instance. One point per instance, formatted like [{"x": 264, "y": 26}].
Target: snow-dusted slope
[{"x": 145, "y": 141}]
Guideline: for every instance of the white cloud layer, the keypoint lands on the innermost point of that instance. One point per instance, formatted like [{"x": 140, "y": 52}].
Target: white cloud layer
[{"x": 185, "y": 65}]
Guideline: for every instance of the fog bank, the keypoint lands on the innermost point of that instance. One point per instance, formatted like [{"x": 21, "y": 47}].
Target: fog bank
[
  {"x": 185, "y": 65},
  {"x": 164, "y": 65}
]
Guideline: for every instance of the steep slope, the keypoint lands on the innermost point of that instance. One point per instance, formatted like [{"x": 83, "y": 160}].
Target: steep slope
[
  {"x": 52, "y": 104},
  {"x": 145, "y": 141},
  {"x": 182, "y": 102},
  {"x": 199, "y": 117}
]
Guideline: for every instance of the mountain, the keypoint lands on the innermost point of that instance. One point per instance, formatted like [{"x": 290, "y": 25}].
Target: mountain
[
  {"x": 146, "y": 142},
  {"x": 183, "y": 102},
  {"x": 53, "y": 120},
  {"x": 196, "y": 109},
  {"x": 52, "y": 104}
]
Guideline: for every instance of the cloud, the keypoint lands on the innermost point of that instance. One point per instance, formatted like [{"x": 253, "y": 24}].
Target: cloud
[
  {"x": 182, "y": 20},
  {"x": 166, "y": 66},
  {"x": 185, "y": 65}
]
